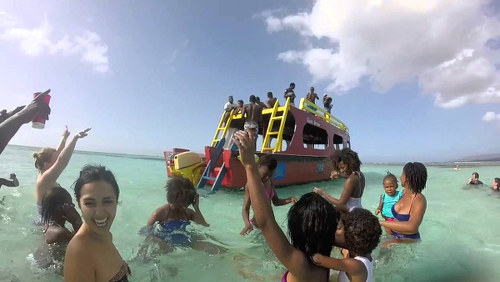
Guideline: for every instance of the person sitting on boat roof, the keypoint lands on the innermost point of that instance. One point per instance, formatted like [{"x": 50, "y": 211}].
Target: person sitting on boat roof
[
  {"x": 354, "y": 186},
  {"x": 271, "y": 100},
  {"x": 252, "y": 112},
  {"x": 267, "y": 166},
  {"x": 257, "y": 98},
  {"x": 239, "y": 107},
  {"x": 474, "y": 180},
  {"x": 311, "y": 96},
  {"x": 289, "y": 93},
  {"x": 327, "y": 103},
  {"x": 228, "y": 107}
]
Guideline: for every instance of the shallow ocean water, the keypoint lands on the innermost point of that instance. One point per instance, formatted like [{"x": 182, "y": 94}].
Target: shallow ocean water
[{"x": 460, "y": 232}]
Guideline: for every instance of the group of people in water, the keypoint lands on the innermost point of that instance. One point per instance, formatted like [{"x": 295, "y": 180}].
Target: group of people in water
[
  {"x": 316, "y": 222},
  {"x": 474, "y": 180}
]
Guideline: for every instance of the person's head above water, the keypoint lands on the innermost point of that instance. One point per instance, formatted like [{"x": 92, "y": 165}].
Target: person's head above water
[
  {"x": 362, "y": 231},
  {"x": 348, "y": 161},
  {"x": 475, "y": 176},
  {"x": 312, "y": 223},
  {"x": 45, "y": 158},
  {"x": 267, "y": 166},
  {"x": 390, "y": 183},
  {"x": 496, "y": 183},
  {"x": 414, "y": 177},
  {"x": 52, "y": 204},
  {"x": 180, "y": 191}
]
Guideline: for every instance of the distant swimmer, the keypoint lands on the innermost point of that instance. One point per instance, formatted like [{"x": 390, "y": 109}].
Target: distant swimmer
[
  {"x": 457, "y": 168},
  {"x": 252, "y": 112},
  {"x": 495, "y": 185},
  {"x": 474, "y": 180},
  {"x": 13, "y": 182}
]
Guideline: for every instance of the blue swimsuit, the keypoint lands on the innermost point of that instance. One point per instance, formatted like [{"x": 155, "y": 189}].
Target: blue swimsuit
[
  {"x": 173, "y": 231},
  {"x": 404, "y": 217}
]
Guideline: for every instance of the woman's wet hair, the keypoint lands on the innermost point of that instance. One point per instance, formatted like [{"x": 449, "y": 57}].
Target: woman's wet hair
[
  {"x": 497, "y": 181},
  {"x": 92, "y": 173},
  {"x": 180, "y": 191},
  {"x": 42, "y": 156},
  {"x": 476, "y": 175},
  {"x": 416, "y": 176},
  {"x": 51, "y": 203},
  {"x": 312, "y": 223},
  {"x": 362, "y": 231},
  {"x": 268, "y": 161},
  {"x": 350, "y": 158},
  {"x": 392, "y": 177}
]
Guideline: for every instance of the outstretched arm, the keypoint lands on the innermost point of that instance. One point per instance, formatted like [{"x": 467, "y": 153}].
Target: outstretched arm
[
  {"x": 293, "y": 259},
  {"x": 198, "y": 216},
  {"x": 348, "y": 265},
  {"x": 62, "y": 143},
  {"x": 281, "y": 202},
  {"x": 10, "y": 126}
]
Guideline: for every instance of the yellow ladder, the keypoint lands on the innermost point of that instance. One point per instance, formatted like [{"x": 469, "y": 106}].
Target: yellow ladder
[
  {"x": 222, "y": 128},
  {"x": 279, "y": 134}
]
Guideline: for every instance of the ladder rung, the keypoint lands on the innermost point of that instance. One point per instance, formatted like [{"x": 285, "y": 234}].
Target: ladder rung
[
  {"x": 208, "y": 178},
  {"x": 277, "y": 118},
  {"x": 273, "y": 133}
]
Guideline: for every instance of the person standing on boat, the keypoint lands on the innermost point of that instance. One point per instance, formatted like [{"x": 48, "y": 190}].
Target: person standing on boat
[
  {"x": 257, "y": 98},
  {"x": 239, "y": 107},
  {"x": 289, "y": 93},
  {"x": 271, "y": 100},
  {"x": 228, "y": 107},
  {"x": 327, "y": 103},
  {"x": 311, "y": 96},
  {"x": 354, "y": 186},
  {"x": 252, "y": 112}
]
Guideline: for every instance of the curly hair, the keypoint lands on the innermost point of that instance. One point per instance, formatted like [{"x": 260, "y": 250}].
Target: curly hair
[
  {"x": 92, "y": 173},
  {"x": 268, "y": 161},
  {"x": 350, "y": 158},
  {"x": 312, "y": 223},
  {"x": 180, "y": 191},
  {"x": 362, "y": 231},
  {"x": 416, "y": 175},
  {"x": 391, "y": 176}
]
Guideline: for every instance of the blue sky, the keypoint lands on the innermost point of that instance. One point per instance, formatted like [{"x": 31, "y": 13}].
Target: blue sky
[{"x": 413, "y": 80}]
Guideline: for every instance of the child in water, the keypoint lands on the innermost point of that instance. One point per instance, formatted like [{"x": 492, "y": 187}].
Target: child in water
[
  {"x": 389, "y": 198},
  {"x": 267, "y": 166},
  {"x": 361, "y": 232},
  {"x": 175, "y": 216}
]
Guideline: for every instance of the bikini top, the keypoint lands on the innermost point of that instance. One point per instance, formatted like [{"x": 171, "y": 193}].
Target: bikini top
[
  {"x": 122, "y": 275},
  {"x": 177, "y": 224},
  {"x": 403, "y": 217}
]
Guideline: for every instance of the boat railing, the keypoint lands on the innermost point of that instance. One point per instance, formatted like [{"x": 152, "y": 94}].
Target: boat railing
[{"x": 312, "y": 108}]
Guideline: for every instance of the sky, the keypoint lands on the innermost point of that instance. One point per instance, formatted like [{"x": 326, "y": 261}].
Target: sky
[{"x": 413, "y": 80}]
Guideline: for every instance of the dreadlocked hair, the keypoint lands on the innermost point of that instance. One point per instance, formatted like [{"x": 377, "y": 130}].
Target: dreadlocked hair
[{"x": 416, "y": 176}]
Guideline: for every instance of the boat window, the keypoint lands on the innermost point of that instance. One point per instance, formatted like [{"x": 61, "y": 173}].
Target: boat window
[
  {"x": 338, "y": 142},
  {"x": 314, "y": 137}
]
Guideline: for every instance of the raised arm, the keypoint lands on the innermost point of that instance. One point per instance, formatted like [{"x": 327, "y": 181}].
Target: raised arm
[
  {"x": 62, "y": 143},
  {"x": 281, "y": 202},
  {"x": 198, "y": 216},
  {"x": 51, "y": 174},
  {"x": 416, "y": 217},
  {"x": 293, "y": 259},
  {"x": 10, "y": 126}
]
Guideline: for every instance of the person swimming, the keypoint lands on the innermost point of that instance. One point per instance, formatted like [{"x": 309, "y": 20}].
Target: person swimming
[
  {"x": 57, "y": 208},
  {"x": 349, "y": 164},
  {"x": 173, "y": 217},
  {"x": 312, "y": 222},
  {"x": 409, "y": 211},
  {"x": 91, "y": 254},
  {"x": 51, "y": 163},
  {"x": 267, "y": 166}
]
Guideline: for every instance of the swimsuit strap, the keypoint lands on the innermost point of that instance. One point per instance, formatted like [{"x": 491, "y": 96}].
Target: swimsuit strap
[
  {"x": 411, "y": 204},
  {"x": 168, "y": 212}
]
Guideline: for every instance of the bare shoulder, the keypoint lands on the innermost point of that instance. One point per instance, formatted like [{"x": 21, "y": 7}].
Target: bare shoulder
[
  {"x": 190, "y": 213},
  {"x": 161, "y": 212}
]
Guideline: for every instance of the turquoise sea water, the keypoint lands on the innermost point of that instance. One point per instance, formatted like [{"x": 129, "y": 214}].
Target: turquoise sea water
[{"x": 460, "y": 232}]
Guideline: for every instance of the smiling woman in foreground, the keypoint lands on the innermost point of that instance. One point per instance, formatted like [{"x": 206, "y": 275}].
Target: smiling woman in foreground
[{"x": 91, "y": 254}]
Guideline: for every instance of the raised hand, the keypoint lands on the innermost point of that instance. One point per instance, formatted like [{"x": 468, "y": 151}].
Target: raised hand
[
  {"x": 83, "y": 133},
  {"x": 246, "y": 145},
  {"x": 318, "y": 191},
  {"x": 65, "y": 133}
]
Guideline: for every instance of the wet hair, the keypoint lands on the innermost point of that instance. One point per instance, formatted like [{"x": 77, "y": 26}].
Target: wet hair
[
  {"x": 268, "y": 161},
  {"x": 312, "y": 223},
  {"x": 51, "y": 203},
  {"x": 92, "y": 173},
  {"x": 252, "y": 98},
  {"x": 497, "y": 181},
  {"x": 269, "y": 94},
  {"x": 391, "y": 176},
  {"x": 350, "y": 158},
  {"x": 476, "y": 174},
  {"x": 416, "y": 175},
  {"x": 362, "y": 231},
  {"x": 42, "y": 156},
  {"x": 180, "y": 191}
]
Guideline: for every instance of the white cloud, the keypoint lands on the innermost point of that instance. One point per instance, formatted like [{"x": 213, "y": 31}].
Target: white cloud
[
  {"x": 40, "y": 40},
  {"x": 440, "y": 44},
  {"x": 491, "y": 116}
]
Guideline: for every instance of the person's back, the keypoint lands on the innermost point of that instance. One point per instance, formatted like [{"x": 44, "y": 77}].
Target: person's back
[
  {"x": 253, "y": 114},
  {"x": 271, "y": 101}
]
